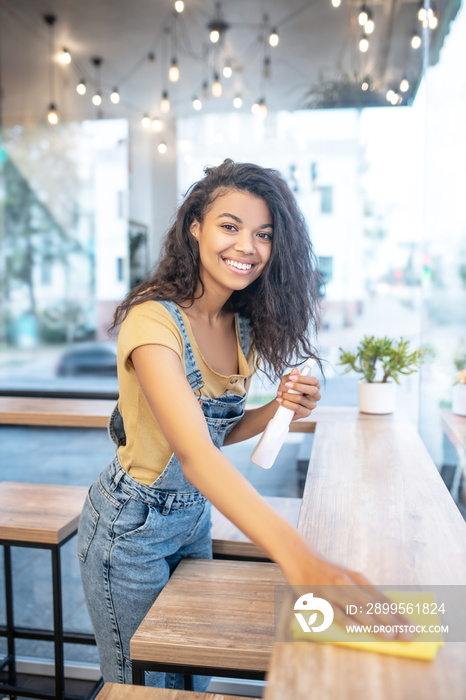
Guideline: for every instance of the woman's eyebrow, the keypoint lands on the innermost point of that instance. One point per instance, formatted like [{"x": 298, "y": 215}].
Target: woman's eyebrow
[{"x": 240, "y": 221}]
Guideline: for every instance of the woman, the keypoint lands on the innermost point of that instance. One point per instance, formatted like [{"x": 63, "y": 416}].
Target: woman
[{"x": 236, "y": 286}]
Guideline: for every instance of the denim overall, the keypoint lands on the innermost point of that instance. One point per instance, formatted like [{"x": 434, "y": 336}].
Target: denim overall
[{"x": 132, "y": 536}]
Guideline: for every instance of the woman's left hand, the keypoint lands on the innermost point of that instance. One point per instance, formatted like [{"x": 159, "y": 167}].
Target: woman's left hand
[{"x": 306, "y": 400}]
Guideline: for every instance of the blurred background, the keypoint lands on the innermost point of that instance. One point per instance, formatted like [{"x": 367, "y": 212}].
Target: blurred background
[{"x": 110, "y": 110}]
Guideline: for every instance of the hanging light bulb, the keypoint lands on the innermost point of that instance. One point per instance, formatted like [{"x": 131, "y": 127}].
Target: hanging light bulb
[
  {"x": 162, "y": 147},
  {"x": 157, "y": 124},
  {"x": 262, "y": 108},
  {"x": 165, "y": 103},
  {"x": 227, "y": 70},
  {"x": 416, "y": 41},
  {"x": 364, "y": 44},
  {"x": 197, "y": 104},
  {"x": 363, "y": 15},
  {"x": 217, "y": 87},
  {"x": 433, "y": 22},
  {"x": 274, "y": 39},
  {"x": 390, "y": 94},
  {"x": 422, "y": 12},
  {"x": 145, "y": 121},
  {"x": 238, "y": 102},
  {"x": 65, "y": 57},
  {"x": 174, "y": 72},
  {"x": 115, "y": 96},
  {"x": 214, "y": 36},
  {"x": 52, "y": 115},
  {"x": 404, "y": 85},
  {"x": 97, "y": 99},
  {"x": 336, "y": 3},
  {"x": 81, "y": 87},
  {"x": 370, "y": 25},
  {"x": 266, "y": 67},
  {"x": 179, "y": 5},
  {"x": 365, "y": 86},
  {"x": 256, "y": 108}
]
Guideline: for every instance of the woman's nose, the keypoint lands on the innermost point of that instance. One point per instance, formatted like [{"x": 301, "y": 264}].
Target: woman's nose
[{"x": 245, "y": 242}]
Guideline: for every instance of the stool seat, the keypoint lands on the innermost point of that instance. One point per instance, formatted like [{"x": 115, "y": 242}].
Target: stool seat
[
  {"x": 228, "y": 542},
  {"x": 39, "y": 513},
  {"x": 212, "y": 614},
  {"x": 114, "y": 691}
]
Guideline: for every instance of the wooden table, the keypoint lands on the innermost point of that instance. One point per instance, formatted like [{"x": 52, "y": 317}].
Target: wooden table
[
  {"x": 116, "y": 691},
  {"x": 375, "y": 502}
]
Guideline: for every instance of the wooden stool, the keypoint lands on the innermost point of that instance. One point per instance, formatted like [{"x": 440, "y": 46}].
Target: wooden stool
[
  {"x": 113, "y": 691},
  {"x": 212, "y": 618},
  {"x": 44, "y": 517},
  {"x": 230, "y": 543}
]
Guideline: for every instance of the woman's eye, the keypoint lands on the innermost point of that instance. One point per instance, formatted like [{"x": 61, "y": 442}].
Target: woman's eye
[
  {"x": 229, "y": 227},
  {"x": 266, "y": 236}
]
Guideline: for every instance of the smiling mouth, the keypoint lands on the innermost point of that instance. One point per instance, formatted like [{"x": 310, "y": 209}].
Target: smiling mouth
[{"x": 238, "y": 265}]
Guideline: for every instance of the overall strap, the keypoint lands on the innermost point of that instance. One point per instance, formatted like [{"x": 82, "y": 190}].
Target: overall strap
[
  {"x": 244, "y": 333},
  {"x": 193, "y": 374}
]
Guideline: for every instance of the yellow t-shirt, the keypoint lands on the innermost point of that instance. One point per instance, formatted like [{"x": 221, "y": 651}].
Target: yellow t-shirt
[{"x": 147, "y": 452}]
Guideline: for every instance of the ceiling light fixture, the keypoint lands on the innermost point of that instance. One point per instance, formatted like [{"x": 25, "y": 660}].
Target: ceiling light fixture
[
  {"x": 238, "y": 102},
  {"x": 157, "y": 124},
  {"x": 65, "y": 57},
  {"x": 97, "y": 97},
  {"x": 165, "y": 103},
  {"x": 364, "y": 44},
  {"x": 162, "y": 148},
  {"x": 179, "y": 6},
  {"x": 416, "y": 41},
  {"x": 404, "y": 85},
  {"x": 217, "y": 26},
  {"x": 81, "y": 87},
  {"x": 217, "y": 86},
  {"x": 52, "y": 114},
  {"x": 274, "y": 39},
  {"x": 174, "y": 72},
  {"x": 115, "y": 96},
  {"x": 336, "y": 3},
  {"x": 363, "y": 15},
  {"x": 197, "y": 104},
  {"x": 145, "y": 121}
]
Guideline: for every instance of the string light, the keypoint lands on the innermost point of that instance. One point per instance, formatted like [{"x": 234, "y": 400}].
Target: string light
[
  {"x": 157, "y": 125},
  {"x": 227, "y": 70},
  {"x": 179, "y": 6},
  {"x": 97, "y": 99},
  {"x": 174, "y": 72},
  {"x": 165, "y": 103},
  {"x": 81, "y": 87},
  {"x": 162, "y": 147},
  {"x": 416, "y": 41},
  {"x": 363, "y": 16},
  {"x": 197, "y": 104},
  {"x": 214, "y": 36},
  {"x": 336, "y": 3},
  {"x": 238, "y": 102},
  {"x": 274, "y": 39},
  {"x": 404, "y": 85},
  {"x": 52, "y": 115},
  {"x": 217, "y": 87},
  {"x": 145, "y": 121},
  {"x": 115, "y": 96},
  {"x": 364, "y": 44},
  {"x": 65, "y": 57}
]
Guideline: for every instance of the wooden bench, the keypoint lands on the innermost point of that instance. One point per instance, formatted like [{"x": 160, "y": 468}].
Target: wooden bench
[
  {"x": 39, "y": 516},
  {"x": 374, "y": 501},
  {"x": 454, "y": 427},
  {"x": 113, "y": 691},
  {"x": 230, "y": 543},
  {"x": 212, "y": 618}
]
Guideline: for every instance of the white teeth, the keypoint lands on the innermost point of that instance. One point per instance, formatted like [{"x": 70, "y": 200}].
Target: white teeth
[{"x": 240, "y": 266}]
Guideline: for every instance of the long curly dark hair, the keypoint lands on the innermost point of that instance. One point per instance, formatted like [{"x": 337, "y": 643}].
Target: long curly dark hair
[{"x": 283, "y": 303}]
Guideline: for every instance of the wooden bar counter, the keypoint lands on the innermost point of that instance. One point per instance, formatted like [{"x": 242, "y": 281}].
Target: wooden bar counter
[{"x": 375, "y": 502}]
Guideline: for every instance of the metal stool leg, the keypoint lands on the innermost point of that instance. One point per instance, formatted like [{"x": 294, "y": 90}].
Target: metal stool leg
[
  {"x": 58, "y": 624},
  {"x": 9, "y": 616}
]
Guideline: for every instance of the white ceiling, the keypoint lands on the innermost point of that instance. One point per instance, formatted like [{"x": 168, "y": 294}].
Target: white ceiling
[{"x": 315, "y": 40}]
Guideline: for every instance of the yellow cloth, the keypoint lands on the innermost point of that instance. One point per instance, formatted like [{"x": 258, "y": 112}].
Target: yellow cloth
[
  {"x": 147, "y": 452},
  {"x": 417, "y": 649}
]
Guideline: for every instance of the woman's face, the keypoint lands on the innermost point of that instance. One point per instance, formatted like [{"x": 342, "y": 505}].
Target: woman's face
[{"x": 235, "y": 241}]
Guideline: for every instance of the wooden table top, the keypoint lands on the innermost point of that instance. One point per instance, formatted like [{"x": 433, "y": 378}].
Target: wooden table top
[
  {"x": 39, "y": 513},
  {"x": 233, "y": 626},
  {"x": 76, "y": 413},
  {"x": 115, "y": 691},
  {"x": 375, "y": 502}
]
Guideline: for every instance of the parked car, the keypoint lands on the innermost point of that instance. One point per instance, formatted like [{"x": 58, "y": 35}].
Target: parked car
[{"x": 93, "y": 358}]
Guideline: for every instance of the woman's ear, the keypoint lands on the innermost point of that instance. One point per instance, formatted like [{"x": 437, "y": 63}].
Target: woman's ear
[{"x": 194, "y": 228}]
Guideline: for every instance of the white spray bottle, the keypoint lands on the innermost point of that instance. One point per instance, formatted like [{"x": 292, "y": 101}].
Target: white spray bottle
[{"x": 268, "y": 447}]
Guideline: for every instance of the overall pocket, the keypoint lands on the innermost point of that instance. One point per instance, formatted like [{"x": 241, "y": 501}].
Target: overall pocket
[{"x": 87, "y": 527}]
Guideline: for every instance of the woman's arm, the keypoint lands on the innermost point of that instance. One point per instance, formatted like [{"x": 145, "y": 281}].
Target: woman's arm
[{"x": 255, "y": 420}]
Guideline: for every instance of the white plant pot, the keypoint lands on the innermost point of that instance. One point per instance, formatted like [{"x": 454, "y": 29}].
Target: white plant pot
[
  {"x": 377, "y": 397},
  {"x": 459, "y": 399}
]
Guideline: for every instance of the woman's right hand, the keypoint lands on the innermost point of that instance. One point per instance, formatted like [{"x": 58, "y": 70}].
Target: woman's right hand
[{"x": 342, "y": 587}]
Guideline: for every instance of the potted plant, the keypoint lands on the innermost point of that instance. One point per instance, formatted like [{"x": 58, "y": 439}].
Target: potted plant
[{"x": 380, "y": 361}]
